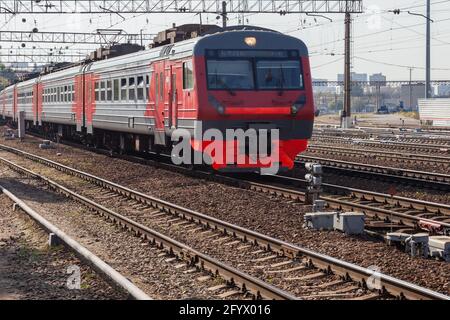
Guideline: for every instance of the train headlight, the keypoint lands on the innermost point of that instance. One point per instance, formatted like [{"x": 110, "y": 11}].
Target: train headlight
[
  {"x": 300, "y": 103},
  {"x": 250, "y": 41},
  {"x": 216, "y": 104}
]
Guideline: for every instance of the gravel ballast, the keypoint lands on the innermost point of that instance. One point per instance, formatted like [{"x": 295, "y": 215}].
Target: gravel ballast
[
  {"x": 31, "y": 270},
  {"x": 271, "y": 216}
]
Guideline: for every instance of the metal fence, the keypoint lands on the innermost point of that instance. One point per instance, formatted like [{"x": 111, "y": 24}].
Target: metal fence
[{"x": 373, "y": 96}]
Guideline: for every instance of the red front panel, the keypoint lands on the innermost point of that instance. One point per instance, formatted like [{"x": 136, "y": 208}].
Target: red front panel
[
  {"x": 270, "y": 107},
  {"x": 253, "y": 104}
]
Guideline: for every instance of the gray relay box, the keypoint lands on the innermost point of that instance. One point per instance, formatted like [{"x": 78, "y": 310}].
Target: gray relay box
[
  {"x": 349, "y": 222},
  {"x": 319, "y": 220}
]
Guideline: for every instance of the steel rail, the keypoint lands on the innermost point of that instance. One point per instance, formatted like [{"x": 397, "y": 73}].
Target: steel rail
[
  {"x": 370, "y": 211},
  {"x": 378, "y": 153},
  {"x": 112, "y": 276},
  {"x": 246, "y": 282},
  {"x": 438, "y": 180},
  {"x": 384, "y": 145},
  {"x": 335, "y": 204},
  {"x": 343, "y": 139},
  {"x": 393, "y": 286}
]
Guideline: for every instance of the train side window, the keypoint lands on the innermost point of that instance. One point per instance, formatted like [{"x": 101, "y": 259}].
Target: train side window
[
  {"x": 147, "y": 87},
  {"x": 116, "y": 90},
  {"x": 58, "y": 93},
  {"x": 66, "y": 91},
  {"x": 102, "y": 91},
  {"x": 132, "y": 89},
  {"x": 156, "y": 87},
  {"x": 188, "y": 77},
  {"x": 109, "y": 90},
  {"x": 123, "y": 91},
  {"x": 97, "y": 93},
  {"x": 140, "y": 88}
]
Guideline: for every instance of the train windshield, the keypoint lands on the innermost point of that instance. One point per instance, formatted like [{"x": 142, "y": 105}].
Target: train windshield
[
  {"x": 278, "y": 74},
  {"x": 254, "y": 70},
  {"x": 230, "y": 74}
]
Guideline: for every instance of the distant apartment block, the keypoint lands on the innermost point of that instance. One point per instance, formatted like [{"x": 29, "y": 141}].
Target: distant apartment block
[
  {"x": 360, "y": 77},
  {"x": 377, "y": 79}
]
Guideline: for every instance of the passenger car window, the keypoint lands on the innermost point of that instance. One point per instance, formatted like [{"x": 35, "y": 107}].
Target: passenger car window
[
  {"x": 109, "y": 90},
  {"x": 140, "y": 88},
  {"x": 97, "y": 93},
  {"x": 123, "y": 90},
  {"x": 102, "y": 91},
  {"x": 131, "y": 89},
  {"x": 188, "y": 77},
  {"x": 116, "y": 90}
]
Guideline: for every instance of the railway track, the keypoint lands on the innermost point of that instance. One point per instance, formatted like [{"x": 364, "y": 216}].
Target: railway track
[
  {"x": 385, "y": 211},
  {"x": 319, "y": 276},
  {"x": 376, "y": 143},
  {"x": 441, "y": 140},
  {"x": 422, "y": 179},
  {"x": 419, "y": 145},
  {"x": 395, "y": 156}
]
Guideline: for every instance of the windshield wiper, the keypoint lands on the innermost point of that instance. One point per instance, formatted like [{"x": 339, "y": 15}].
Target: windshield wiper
[{"x": 231, "y": 92}]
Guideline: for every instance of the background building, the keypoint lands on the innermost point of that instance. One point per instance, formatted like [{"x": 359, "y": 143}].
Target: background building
[
  {"x": 411, "y": 94},
  {"x": 360, "y": 77},
  {"x": 443, "y": 90},
  {"x": 377, "y": 79}
]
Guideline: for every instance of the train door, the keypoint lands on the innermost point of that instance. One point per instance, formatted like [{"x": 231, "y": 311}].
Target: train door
[
  {"x": 173, "y": 97},
  {"x": 14, "y": 103},
  {"x": 161, "y": 111},
  {"x": 37, "y": 102}
]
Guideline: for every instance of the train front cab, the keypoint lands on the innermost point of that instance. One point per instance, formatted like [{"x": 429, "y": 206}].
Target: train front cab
[{"x": 263, "y": 82}]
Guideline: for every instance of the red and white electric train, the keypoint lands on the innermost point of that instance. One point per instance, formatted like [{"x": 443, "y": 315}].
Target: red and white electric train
[{"x": 232, "y": 79}]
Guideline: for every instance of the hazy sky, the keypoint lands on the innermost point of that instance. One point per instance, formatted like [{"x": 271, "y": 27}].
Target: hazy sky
[{"x": 382, "y": 40}]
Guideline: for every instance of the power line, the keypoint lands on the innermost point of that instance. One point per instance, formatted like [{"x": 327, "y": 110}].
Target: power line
[
  {"x": 399, "y": 65},
  {"x": 326, "y": 64}
]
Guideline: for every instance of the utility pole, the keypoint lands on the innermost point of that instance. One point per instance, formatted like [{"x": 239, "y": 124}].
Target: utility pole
[
  {"x": 428, "y": 92},
  {"x": 224, "y": 14},
  {"x": 346, "y": 115},
  {"x": 410, "y": 88}
]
